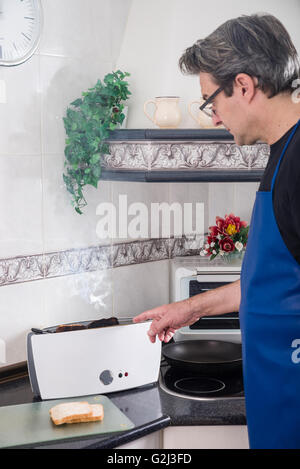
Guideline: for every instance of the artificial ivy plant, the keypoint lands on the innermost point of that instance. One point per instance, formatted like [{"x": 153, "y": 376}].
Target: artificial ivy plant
[{"x": 87, "y": 123}]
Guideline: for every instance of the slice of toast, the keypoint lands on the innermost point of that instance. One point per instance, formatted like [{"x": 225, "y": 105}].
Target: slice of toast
[
  {"x": 97, "y": 415},
  {"x": 62, "y": 413},
  {"x": 70, "y": 327}
]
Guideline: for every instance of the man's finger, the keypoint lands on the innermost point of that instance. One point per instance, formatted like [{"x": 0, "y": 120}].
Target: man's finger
[
  {"x": 143, "y": 316},
  {"x": 152, "y": 337},
  {"x": 169, "y": 334},
  {"x": 158, "y": 326}
]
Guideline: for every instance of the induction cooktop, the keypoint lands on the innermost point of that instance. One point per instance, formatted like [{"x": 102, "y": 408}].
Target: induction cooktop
[{"x": 192, "y": 385}]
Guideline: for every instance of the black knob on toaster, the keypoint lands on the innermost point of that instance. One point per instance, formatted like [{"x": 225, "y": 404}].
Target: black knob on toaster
[{"x": 106, "y": 377}]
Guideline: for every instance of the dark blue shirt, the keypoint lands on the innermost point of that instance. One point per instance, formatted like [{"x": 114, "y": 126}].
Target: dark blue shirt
[{"x": 286, "y": 194}]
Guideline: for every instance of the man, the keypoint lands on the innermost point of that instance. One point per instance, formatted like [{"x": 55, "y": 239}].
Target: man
[{"x": 249, "y": 70}]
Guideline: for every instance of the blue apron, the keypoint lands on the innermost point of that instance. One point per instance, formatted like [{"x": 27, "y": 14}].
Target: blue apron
[{"x": 270, "y": 326}]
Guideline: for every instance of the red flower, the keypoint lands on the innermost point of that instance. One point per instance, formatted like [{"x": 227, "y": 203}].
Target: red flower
[
  {"x": 214, "y": 231},
  {"x": 220, "y": 222},
  {"x": 227, "y": 245},
  {"x": 234, "y": 221},
  {"x": 211, "y": 239}
]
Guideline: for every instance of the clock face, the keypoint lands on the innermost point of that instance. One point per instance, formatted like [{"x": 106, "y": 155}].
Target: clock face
[{"x": 20, "y": 28}]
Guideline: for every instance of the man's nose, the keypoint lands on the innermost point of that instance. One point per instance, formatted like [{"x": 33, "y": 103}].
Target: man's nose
[{"x": 216, "y": 120}]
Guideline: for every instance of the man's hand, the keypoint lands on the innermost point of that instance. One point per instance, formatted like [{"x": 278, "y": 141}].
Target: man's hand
[{"x": 167, "y": 319}]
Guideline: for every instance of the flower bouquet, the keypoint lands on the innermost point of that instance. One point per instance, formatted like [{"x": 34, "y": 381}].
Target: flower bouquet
[{"x": 227, "y": 237}]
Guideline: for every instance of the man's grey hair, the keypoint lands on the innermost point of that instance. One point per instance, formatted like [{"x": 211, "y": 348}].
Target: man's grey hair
[{"x": 258, "y": 45}]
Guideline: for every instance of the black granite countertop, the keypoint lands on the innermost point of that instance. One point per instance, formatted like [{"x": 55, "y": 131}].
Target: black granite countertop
[{"x": 149, "y": 408}]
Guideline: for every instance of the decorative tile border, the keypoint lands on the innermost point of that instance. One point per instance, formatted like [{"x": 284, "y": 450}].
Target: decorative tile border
[
  {"x": 148, "y": 156},
  {"x": 75, "y": 261},
  {"x": 138, "y": 155}
]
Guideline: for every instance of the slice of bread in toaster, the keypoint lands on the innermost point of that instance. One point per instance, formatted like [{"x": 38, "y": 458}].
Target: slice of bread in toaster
[
  {"x": 62, "y": 413},
  {"x": 70, "y": 327}
]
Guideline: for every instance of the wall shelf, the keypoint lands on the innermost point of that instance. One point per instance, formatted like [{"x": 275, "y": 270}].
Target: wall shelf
[{"x": 182, "y": 155}]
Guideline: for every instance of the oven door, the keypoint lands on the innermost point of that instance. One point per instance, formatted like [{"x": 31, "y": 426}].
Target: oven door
[{"x": 224, "y": 327}]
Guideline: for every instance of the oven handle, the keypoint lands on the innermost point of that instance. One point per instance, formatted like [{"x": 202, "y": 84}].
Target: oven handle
[{"x": 228, "y": 272}]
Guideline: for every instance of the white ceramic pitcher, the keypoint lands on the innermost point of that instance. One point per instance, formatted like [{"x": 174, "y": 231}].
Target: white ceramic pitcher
[
  {"x": 202, "y": 120},
  {"x": 167, "y": 114}
]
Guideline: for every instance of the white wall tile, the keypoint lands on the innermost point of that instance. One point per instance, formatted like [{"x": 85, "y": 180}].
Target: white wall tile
[
  {"x": 74, "y": 28},
  {"x": 21, "y": 207},
  {"x": 221, "y": 200},
  {"x": 62, "y": 81},
  {"x": 78, "y": 297},
  {"x": 137, "y": 192},
  {"x": 237, "y": 198},
  {"x": 244, "y": 199},
  {"x": 140, "y": 287},
  {"x": 64, "y": 228},
  {"x": 119, "y": 18},
  {"x": 49, "y": 302},
  {"x": 192, "y": 193},
  {"x": 20, "y": 129},
  {"x": 21, "y": 308}
]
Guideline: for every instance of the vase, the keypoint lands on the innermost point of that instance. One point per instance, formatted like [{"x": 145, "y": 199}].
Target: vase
[{"x": 233, "y": 257}]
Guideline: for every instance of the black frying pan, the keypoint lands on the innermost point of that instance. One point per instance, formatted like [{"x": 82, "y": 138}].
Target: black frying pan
[{"x": 204, "y": 356}]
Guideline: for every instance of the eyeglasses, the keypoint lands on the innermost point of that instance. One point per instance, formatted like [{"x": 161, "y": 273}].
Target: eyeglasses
[{"x": 206, "y": 107}]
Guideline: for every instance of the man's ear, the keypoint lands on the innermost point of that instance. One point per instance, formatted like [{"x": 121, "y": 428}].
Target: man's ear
[{"x": 246, "y": 85}]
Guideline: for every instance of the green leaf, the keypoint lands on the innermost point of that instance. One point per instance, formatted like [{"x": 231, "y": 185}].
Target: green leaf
[
  {"x": 87, "y": 123},
  {"x": 95, "y": 158},
  {"x": 77, "y": 102},
  {"x": 78, "y": 210}
]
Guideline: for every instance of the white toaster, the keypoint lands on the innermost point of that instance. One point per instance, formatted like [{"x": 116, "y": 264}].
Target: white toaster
[{"x": 92, "y": 361}]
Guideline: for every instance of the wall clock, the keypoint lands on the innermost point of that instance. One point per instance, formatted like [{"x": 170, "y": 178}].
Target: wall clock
[{"x": 20, "y": 30}]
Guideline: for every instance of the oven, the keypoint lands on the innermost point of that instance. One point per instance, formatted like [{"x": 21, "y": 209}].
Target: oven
[
  {"x": 191, "y": 276},
  {"x": 194, "y": 275}
]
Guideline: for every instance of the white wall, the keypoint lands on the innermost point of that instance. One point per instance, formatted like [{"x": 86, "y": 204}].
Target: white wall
[{"x": 158, "y": 32}]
